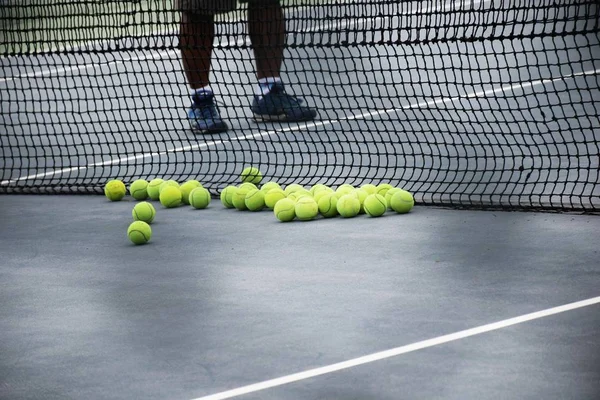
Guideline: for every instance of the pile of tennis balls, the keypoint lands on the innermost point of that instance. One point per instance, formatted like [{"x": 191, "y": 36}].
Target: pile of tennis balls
[
  {"x": 305, "y": 204},
  {"x": 288, "y": 204},
  {"x": 170, "y": 194}
]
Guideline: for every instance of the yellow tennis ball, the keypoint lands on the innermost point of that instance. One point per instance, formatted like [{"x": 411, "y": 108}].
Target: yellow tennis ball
[
  {"x": 199, "y": 198},
  {"x": 255, "y": 200},
  {"x": 139, "y": 232},
  {"x": 328, "y": 205},
  {"x": 194, "y": 182},
  {"x": 306, "y": 208},
  {"x": 115, "y": 190},
  {"x": 316, "y": 188},
  {"x": 348, "y": 205},
  {"x": 375, "y": 205},
  {"x": 344, "y": 189},
  {"x": 153, "y": 188},
  {"x": 138, "y": 189},
  {"x": 268, "y": 186},
  {"x": 402, "y": 202},
  {"x": 252, "y": 175},
  {"x": 170, "y": 182},
  {"x": 170, "y": 196},
  {"x": 248, "y": 185},
  {"x": 303, "y": 192},
  {"x": 186, "y": 189},
  {"x": 383, "y": 188},
  {"x": 143, "y": 211},
  {"x": 294, "y": 187},
  {"x": 389, "y": 194},
  {"x": 273, "y": 196},
  {"x": 369, "y": 188},
  {"x": 322, "y": 192},
  {"x": 238, "y": 199},
  {"x": 226, "y": 195},
  {"x": 298, "y": 194},
  {"x": 285, "y": 210},
  {"x": 362, "y": 195}
]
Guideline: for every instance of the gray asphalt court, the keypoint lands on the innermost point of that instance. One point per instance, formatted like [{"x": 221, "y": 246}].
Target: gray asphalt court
[
  {"x": 445, "y": 302},
  {"x": 220, "y": 299}
]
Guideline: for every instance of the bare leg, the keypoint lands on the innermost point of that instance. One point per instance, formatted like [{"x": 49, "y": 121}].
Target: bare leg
[
  {"x": 196, "y": 37},
  {"x": 266, "y": 27}
]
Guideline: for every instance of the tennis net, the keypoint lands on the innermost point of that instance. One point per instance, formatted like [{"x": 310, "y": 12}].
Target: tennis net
[{"x": 485, "y": 104}]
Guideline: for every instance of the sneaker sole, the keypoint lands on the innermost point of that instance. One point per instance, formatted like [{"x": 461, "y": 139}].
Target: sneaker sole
[
  {"x": 281, "y": 118},
  {"x": 218, "y": 129}
]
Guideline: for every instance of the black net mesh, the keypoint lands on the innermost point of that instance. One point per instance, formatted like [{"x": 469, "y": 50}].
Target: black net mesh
[{"x": 464, "y": 103}]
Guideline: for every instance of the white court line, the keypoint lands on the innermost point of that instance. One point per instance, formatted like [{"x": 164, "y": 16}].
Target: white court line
[
  {"x": 284, "y": 380},
  {"x": 422, "y": 104},
  {"x": 175, "y": 53}
]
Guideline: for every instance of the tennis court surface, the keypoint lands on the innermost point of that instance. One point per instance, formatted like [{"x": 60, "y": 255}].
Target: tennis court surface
[{"x": 486, "y": 111}]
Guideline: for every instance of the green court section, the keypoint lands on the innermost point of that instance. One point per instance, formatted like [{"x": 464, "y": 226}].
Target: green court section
[
  {"x": 32, "y": 26},
  {"x": 36, "y": 26}
]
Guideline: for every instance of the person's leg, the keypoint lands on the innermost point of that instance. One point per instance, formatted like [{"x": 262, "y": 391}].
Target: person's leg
[
  {"x": 266, "y": 28},
  {"x": 196, "y": 37}
]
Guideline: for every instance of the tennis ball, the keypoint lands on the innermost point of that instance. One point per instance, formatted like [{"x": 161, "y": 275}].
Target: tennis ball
[
  {"x": 139, "y": 232},
  {"x": 369, "y": 188},
  {"x": 306, "y": 208},
  {"x": 238, "y": 199},
  {"x": 344, "y": 189},
  {"x": 328, "y": 205},
  {"x": 143, "y": 211},
  {"x": 170, "y": 196},
  {"x": 383, "y": 188},
  {"x": 389, "y": 194},
  {"x": 252, "y": 175},
  {"x": 316, "y": 188},
  {"x": 322, "y": 192},
  {"x": 248, "y": 185},
  {"x": 273, "y": 196},
  {"x": 294, "y": 187},
  {"x": 115, "y": 190},
  {"x": 186, "y": 189},
  {"x": 194, "y": 182},
  {"x": 199, "y": 198},
  {"x": 362, "y": 195},
  {"x": 303, "y": 192},
  {"x": 170, "y": 182},
  {"x": 299, "y": 193},
  {"x": 268, "y": 186},
  {"x": 226, "y": 196},
  {"x": 153, "y": 188},
  {"x": 138, "y": 189},
  {"x": 375, "y": 205},
  {"x": 402, "y": 202},
  {"x": 285, "y": 210},
  {"x": 255, "y": 200},
  {"x": 348, "y": 205}
]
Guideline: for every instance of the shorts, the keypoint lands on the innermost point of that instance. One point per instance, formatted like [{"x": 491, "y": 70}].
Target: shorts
[{"x": 212, "y": 7}]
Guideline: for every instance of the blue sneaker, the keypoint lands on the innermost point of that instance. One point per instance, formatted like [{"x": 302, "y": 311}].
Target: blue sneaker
[
  {"x": 280, "y": 106},
  {"x": 203, "y": 115}
]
